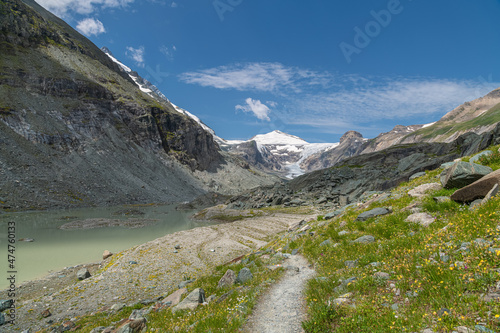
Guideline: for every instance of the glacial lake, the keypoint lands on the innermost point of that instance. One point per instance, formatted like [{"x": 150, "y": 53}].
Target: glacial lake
[{"x": 54, "y": 249}]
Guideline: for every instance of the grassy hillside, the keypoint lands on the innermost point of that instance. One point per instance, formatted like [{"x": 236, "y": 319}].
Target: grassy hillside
[
  {"x": 411, "y": 278},
  {"x": 437, "y": 277},
  {"x": 492, "y": 116}
]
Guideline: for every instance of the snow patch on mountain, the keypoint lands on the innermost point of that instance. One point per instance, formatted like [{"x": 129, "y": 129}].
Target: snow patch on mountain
[{"x": 278, "y": 138}]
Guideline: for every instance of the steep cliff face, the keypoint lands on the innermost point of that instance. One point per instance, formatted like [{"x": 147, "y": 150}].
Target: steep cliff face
[{"x": 76, "y": 130}]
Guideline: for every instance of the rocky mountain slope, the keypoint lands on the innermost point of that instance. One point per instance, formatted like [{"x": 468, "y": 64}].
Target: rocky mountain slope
[
  {"x": 478, "y": 116},
  {"x": 354, "y": 177},
  {"x": 77, "y": 130}
]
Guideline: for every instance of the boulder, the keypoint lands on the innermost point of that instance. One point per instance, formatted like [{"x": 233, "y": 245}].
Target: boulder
[
  {"x": 46, "y": 313},
  {"x": 5, "y": 304},
  {"x": 476, "y": 158},
  {"x": 83, "y": 274},
  {"x": 326, "y": 242},
  {"x": 475, "y": 204},
  {"x": 477, "y": 190},
  {"x": 381, "y": 276},
  {"x": 132, "y": 326},
  {"x": 423, "y": 219},
  {"x": 373, "y": 213},
  {"x": 139, "y": 314},
  {"x": 2, "y": 319},
  {"x": 244, "y": 275},
  {"x": 117, "y": 307},
  {"x": 331, "y": 215},
  {"x": 442, "y": 199},
  {"x": 175, "y": 298},
  {"x": 421, "y": 190},
  {"x": 417, "y": 175},
  {"x": 183, "y": 284},
  {"x": 462, "y": 174},
  {"x": 365, "y": 239},
  {"x": 191, "y": 302},
  {"x": 447, "y": 165},
  {"x": 321, "y": 200},
  {"x": 106, "y": 254},
  {"x": 493, "y": 192},
  {"x": 351, "y": 263},
  {"x": 227, "y": 280}
]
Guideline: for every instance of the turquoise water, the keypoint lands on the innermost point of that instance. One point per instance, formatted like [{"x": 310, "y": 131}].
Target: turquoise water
[{"x": 53, "y": 248}]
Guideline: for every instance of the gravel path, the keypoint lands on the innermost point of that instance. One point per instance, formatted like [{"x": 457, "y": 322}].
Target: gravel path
[
  {"x": 282, "y": 309},
  {"x": 143, "y": 272}
]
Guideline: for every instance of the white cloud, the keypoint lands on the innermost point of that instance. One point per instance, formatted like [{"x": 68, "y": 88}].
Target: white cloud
[
  {"x": 174, "y": 4},
  {"x": 168, "y": 51},
  {"x": 334, "y": 103},
  {"x": 256, "y": 107},
  {"x": 136, "y": 54},
  {"x": 90, "y": 26},
  {"x": 270, "y": 77},
  {"x": 391, "y": 99},
  {"x": 64, "y": 7}
]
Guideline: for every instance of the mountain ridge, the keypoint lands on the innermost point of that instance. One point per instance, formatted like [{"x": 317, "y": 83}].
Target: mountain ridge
[{"x": 66, "y": 106}]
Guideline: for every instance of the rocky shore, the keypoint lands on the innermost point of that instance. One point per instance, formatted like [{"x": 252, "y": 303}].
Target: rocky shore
[{"x": 142, "y": 273}]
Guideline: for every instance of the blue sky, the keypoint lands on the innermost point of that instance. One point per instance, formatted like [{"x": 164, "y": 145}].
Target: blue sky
[{"x": 315, "y": 69}]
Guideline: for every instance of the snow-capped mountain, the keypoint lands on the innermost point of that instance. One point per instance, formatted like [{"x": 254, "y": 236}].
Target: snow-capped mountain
[{"x": 277, "y": 151}]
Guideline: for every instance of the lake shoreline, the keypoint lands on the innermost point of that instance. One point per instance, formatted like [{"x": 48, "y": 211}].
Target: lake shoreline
[{"x": 146, "y": 271}]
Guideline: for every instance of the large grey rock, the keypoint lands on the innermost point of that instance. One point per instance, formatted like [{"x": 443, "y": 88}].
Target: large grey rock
[
  {"x": 417, "y": 175},
  {"x": 422, "y": 190},
  {"x": 83, "y": 274},
  {"x": 326, "y": 242},
  {"x": 132, "y": 326},
  {"x": 373, "y": 213},
  {"x": 476, "y": 157},
  {"x": 381, "y": 276},
  {"x": 493, "y": 192},
  {"x": 175, "y": 298},
  {"x": 331, "y": 215},
  {"x": 244, "y": 275},
  {"x": 2, "y": 319},
  {"x": 462, "y": 174},
  {"x": 365, "y": 239},
  {"x": 351, "y": 263},
  {"x": 184, "y": 283},
  {"x": 106, "y": 254},
  {"x": 191, "y": 302},
  {"x": 423, "y": 219},
  {"x": 477, "y": 190},
  {"x": 5, "y": 304},
  {"x": 227, "y": 280}
]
